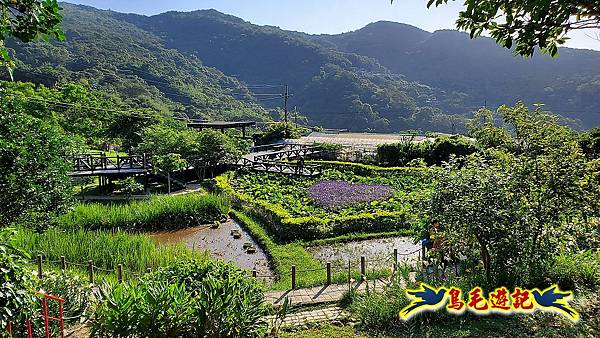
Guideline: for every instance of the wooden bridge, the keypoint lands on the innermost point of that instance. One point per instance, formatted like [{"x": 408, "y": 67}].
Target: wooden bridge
[
  {"x": 287, "y": 168},
  {"x": 288, "y": 151},
  {"x": 269, "y": 158},
  {"x": 102, "y": 165}
]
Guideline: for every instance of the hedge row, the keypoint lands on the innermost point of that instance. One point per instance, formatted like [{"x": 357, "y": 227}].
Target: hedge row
[
  {"x": 371, "y": 170},
  {"x": 289, "y": 228}
]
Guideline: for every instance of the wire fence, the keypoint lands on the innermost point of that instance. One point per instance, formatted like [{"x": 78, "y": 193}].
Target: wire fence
[
  {"x": 361, "y": 267},
  {"x": 91, "y": 268}
]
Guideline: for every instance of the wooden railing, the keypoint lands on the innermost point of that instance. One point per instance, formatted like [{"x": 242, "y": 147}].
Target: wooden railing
[
  {"x": 94, "y": 162},
  {"x": 293, "y": 151},
  {"x": 287, "y": 168}
]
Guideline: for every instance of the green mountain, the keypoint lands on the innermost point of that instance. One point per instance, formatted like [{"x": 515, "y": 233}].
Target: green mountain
[
  {"x": 119, "y": 58},
  {"x": 330, "y": 87},
  {"x": 450, "y": 60},
  {"x": 384, "y": 77}
]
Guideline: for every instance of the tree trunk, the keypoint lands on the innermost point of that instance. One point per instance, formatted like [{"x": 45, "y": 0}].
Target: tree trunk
[
  {"x": 485, "y": 257},
  {"x": 486, "y": 263},
  {"x": 169, "y": 182}
]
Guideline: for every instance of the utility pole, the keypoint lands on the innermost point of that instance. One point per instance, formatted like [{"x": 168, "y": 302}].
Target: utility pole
[
  {"x": 295, "y": 115},
  {"x": 285, "y": 99}
]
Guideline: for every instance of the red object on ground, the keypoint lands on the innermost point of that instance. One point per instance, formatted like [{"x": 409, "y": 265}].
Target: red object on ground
[
  {"x": 47, "y": 318},
  {"x": 29, "y": 330}
]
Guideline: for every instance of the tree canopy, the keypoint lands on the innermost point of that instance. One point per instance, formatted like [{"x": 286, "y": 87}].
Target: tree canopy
[
  {"x": 526, "y": 24},
  {"x": 33, "y": 171},
  {"x": 28, "y": 20},
  {"x": 520, "y": 201}
]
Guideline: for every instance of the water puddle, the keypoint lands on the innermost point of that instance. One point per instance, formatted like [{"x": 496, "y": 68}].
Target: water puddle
[
  {"x": 377, "y": 252},
  {"x": 221, "y": 244}
]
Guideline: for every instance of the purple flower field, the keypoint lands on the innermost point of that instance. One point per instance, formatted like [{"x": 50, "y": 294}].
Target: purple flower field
[{"x": 340, "y": 194}]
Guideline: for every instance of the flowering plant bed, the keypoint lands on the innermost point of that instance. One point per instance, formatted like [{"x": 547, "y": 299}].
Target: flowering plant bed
[
  {"x": 285, "y": 204},
  {"x": 340, "y": 194}
]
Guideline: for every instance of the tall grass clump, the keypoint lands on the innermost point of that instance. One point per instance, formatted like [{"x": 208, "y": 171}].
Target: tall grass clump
[
  {"x": 156, "y": 213},
  {"x": 106, "y": 249},
  {"x": 188, "y": 299}
]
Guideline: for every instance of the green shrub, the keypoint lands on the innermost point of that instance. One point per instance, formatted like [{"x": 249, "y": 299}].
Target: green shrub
[
  {"x": 106, "y": 249},
  {"x": 188, "y": 299},
  {"x": 159, "y": 212},
  {"x": 329, "y": 151},
  {"x": 573, "y": 271},
  {"x": 74, "y": 289},
  {"x": 279, "y": 131},
  {"x": 16, "y": 282},
  {"x": 434, "y": 153},
  {"x": 130, "y": 186},
  {"x": 399, "y": 154},
  {"x": 144, "y": 309}
]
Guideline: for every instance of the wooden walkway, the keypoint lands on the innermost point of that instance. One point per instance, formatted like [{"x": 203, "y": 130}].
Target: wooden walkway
[
  {"x": 101, "y": 165},
  {"x": 270, "y": 159}
]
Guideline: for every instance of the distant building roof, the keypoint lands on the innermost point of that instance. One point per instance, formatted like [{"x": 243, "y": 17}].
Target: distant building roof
[{"x": 221, "y": 124}]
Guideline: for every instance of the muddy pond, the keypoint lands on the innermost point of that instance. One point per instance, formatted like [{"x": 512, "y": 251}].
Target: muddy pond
[
  {"x": 229, "y": 243},
  {"x": 377, "y": 252}
]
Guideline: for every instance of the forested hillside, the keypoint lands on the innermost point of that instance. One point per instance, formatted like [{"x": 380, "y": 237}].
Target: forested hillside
[
  {"x": 332, "y": 88},
  {"x": 485, "y": 72},
  {"x": 385, "y": 77},
  {"x": 133, "y": 66}
]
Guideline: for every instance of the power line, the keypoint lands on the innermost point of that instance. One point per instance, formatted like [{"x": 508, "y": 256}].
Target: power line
[{"x": 72, "y": 105}]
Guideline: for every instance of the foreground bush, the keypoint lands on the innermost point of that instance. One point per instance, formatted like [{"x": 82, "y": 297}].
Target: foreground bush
[
  {"x": 159, "y": 212},
  {"x": 16, "y": 283},
  {"x": 576, "y": 270},
  {"x": 106, "y": 249},
  {"x": 378, "y": 315},
  {"x": 433, "y": 153},
  {"x": 191, "y": 299}
]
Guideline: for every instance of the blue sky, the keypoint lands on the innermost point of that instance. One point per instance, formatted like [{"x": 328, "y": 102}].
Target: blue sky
[{"x": 319, "y": 16}]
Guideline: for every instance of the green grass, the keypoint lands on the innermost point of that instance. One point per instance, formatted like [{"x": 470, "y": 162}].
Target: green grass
[
  {"x": 576, "y": 270},
  {"x": 485, "y": 327},
  {"x": 106, "y": 249},
  {"x": 309, "y": 271},
  {"x": 158, "y": 212}
]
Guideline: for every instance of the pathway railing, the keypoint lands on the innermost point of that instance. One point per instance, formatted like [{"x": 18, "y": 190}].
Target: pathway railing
[
  {"x": 387, "y": 261},
  {"x": 46, "y": 316},
  {"x": 392, "y": 262},
  {"x": 93, "y": 163},
  {"x": 291, "y": 151},
  {"x": 281, "y": 167}
]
